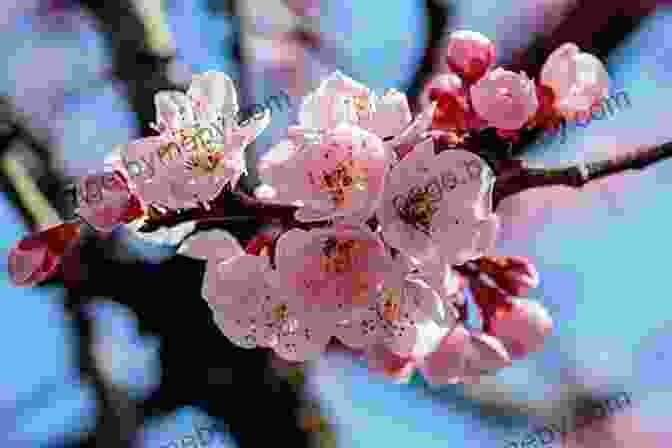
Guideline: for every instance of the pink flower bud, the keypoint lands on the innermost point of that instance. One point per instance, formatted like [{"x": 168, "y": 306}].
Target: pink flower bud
[
  {"x": 469, "y": 54},
  {"x": 380, "y": 359},
  {"x": 579, "y": 80},
  {"x": 515, "y": 275},
  {"x": 522, "y": 328},
  {"x": 505, "y": 99},
  {"x": 446, "y": 364},
  {"x": 35, "y": 258}
]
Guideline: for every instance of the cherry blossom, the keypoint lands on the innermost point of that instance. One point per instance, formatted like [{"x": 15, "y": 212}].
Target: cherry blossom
[
  {"x": 258, "y": 313},
  {"x": 200, "y": 147},
  {"x": 37, "y": 257},
  {"x": 579, "y": 80},
  {"x": 469, "y": 54},
  {"x": 340, "y": 174},
  {"x": 505, "y": 99},
  {"x": 336, "y": 270},
  {"x": 439, "y": 206},
  {"x": 341, "y": 99}
]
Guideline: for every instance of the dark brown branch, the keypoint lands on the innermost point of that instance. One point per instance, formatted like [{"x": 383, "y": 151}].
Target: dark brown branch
[{"x": 522, "y": 177}]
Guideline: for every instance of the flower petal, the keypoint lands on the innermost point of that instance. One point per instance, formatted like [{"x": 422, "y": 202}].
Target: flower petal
[
  {"x": 213, "y": 96},
  {"x": 214, "y": 244}
]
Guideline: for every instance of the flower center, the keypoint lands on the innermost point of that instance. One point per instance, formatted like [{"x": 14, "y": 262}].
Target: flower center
[
  {"x": 338, "y": 255},
  {"x": 203, "y": 162},
  {"x": 419, "y": 210},
  {"x": 280, "y": 312},
  {"x": 362, "y": 105},
  {"x": 391, "y": 301},
  {"x": 348, "y": 177}
]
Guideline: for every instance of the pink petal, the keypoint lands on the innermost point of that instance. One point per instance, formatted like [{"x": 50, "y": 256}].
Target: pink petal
[
  {"x": 505, "y": 99},
  {"x": 362, "y": 331},
  {"x": 23, "y": 263},
  {"x": 395, "y": 367},
  {"x": 173, "y": 110},
  {"x": 213, "y": 95},
  {"x": 104, "y": 200},
  {"x": 306, "y": 342},
  {"x": 484, "y": 355},
  {"x": 212, "y": 244},
  {"x": 446, "y": 364},
  {"x": 299, "y": 257},
  {"x": 523, "y": 329},
  {"x": 391, "y": 117},
  {"x": 469, "y": 54}
]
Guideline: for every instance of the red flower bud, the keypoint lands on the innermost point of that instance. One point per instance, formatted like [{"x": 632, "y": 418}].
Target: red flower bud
[
  {"x": 469, "y": 54},
  {"x": 522, "y": 328},
  {"x": 514, "y": 275},
  {"x": 35, "y": 258}
]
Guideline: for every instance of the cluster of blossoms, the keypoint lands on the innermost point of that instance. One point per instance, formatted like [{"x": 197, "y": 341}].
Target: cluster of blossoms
[{"x": 394, "y": 229}]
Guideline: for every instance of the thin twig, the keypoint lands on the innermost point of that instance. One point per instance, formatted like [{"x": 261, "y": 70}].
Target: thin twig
[{"x": 524, "y": 177}]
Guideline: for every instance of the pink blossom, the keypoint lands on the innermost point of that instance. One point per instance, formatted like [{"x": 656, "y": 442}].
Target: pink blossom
[
  {"x": 579, "y": 80},
  {"x": 439, "y": 206},
  {"x": 260, "y": 313},
  {"x": 36, "y": 257},
  {"x": 522, "y": 328},
  {"x": 339, "y": 174},
  {"x": 505, "y": 99},
  {"x": 335, "y": 271},
  {"x": 408, "y": 316},
  {"x": 464, "y": 356},
  {"x": 201, "y": 146},
  {"x": 106, "y": 201},
  {"x": 341, "y": 99},
  {"x": 469, "y": 54}
]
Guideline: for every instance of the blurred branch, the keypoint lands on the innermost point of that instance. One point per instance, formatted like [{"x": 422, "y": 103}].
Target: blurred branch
[{"x": 142, "y": 51}]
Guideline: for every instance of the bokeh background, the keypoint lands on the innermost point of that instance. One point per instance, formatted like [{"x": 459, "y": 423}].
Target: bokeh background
[{"x": 136, "y": 361}]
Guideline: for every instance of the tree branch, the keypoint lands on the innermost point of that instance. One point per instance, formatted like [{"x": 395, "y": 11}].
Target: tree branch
[
  {"x": 514, "y": 176},
  {"x": 520, "y": 177}
]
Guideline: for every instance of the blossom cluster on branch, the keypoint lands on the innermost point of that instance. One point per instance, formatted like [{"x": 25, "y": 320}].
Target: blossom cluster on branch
[{"x": 380, "y": 220}]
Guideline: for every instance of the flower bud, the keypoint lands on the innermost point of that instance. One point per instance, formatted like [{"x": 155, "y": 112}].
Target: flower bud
[
  {"x": 35, "y": 258},
  {"x": 522, "y": 328},
  {"x": 446, "y": 364},
  {"x": 505, "y": 99},
  {"x": 382, "y": 360},
  {"x": 514, "y": 275},
  {"x": 579, "y": 80},
  {"x": 469, "y": 54}
]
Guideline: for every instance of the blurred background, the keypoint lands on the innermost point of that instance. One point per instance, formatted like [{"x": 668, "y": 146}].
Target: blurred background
[{"x": 134, "y": 359}]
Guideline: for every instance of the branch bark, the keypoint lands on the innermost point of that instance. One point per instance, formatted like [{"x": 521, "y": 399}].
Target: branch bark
[{"x": 524, "y": 177}]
